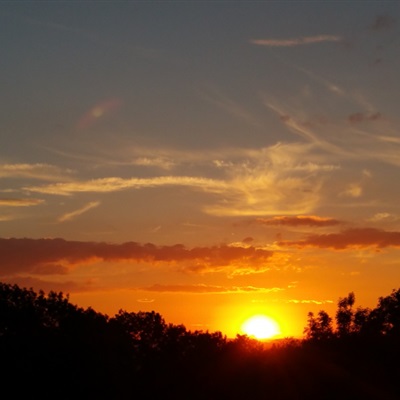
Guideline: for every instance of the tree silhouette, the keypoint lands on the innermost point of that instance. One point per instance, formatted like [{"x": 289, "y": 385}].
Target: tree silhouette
[
  {"x": 44, "y": 338},
  {"x": 345, "y": 315},
  {"x": 319, "y": 328}
]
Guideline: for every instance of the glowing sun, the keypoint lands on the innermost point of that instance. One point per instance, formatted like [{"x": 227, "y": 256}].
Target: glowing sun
[{"x": 261, "y": 327}]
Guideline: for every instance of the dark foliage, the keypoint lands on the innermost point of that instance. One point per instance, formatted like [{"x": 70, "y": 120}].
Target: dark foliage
[{"x": 50, "y": 348}]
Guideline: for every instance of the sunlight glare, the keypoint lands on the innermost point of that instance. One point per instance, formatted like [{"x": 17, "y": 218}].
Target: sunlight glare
[{"x": 261, "y": 327}]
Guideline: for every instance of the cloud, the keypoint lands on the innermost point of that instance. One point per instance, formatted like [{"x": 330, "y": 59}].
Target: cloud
[
  {"x": 20, "y": 202},
  {"x": 299, "y": 220},
  {"x": 353, "y": 190},
  {"x": 308, "y": 301},
  {"x": 382, "y": 23},
  {"x": 159, "y": 162},
  {"x": 267, "y": 181},
  {"x": 272, "y": 181},
  {"x": 113, "y": 184},
  {"x": 382, "y": 216},
  {"x": 351, "y": 238},
  {"x": 362, "y": 117},
  {"x": 301, "y": 129},
  {"x": 232, "y": 107},
  {"x": 76, "y": 213},
  {"x": 145, "y": 300},
  {"x": 296, "y": 41},
  {"x": 57, "y": 256},
  {"x": 34, "y": 171},
  {"x": 201, "y": 288}
]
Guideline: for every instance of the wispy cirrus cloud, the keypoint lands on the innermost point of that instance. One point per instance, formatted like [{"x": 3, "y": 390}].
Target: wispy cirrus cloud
[
  {"x": 33, "y": 171},
  {"x": 348, "y": 239},
  {"x": 307, "y": 301},
  {"x": 112, "y": 184},
  {"x": 299, "y": 41},
  {"x": 80, "y": 211},
  {"x": 231, "y": 106},
  {"x": 202, "y": 288},
  {"x": 26, "y": 202},
  {"x": 356, "y": 118},
  {"x": 383, "y": 216},
  {"x": 299, "y": 220},
  {"x": 160, "y": 162},
  {"x": 57, "y": 256},
  {"x": 352, "y": 190},
  {"x": 267, "y": 181}
]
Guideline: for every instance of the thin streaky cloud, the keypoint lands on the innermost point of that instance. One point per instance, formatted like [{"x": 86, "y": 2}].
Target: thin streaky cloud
[
  {"x": 332, "y": 87},
  {"x": 45, "y": 172},
  {"x": 268, "y": 181},
  {"x": 299, "y": 41},
  {"x": 303, "y": 131},
  {"x": 306, "y": 301},
  {"x": 350, "y": 239},
  {"x": 299, "y": 220},
  {"x": 112, "y": 184},
  {"x": 145, "y": 300},
  {"x": 232, "y": 107},
  {"x": 362, "y": 117},
  {"x": 20, "y": 202},
  {"x": 57, "y": 256},
  {"x": 76, "y": 213},
  {"x": 158, "y": 162},
  {"x": 202, "y": 288}
]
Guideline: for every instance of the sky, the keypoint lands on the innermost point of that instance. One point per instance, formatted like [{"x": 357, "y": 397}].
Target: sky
[{"x": 205, "y": 160}]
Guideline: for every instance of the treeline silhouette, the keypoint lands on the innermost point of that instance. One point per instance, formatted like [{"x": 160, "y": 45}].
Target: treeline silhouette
[{"x": 50, "y": 348}]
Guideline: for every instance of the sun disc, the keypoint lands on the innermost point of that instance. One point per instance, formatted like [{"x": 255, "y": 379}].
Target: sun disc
[{"x": 261, "y": 327}]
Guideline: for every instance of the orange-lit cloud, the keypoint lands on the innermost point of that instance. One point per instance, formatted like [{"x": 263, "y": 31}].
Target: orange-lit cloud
[
  {"x": 55, "y": 256},
  {"x": 352, "y": 190},
  {"x": 20, "y": 202},
  {"x": 160, "y": 162},
  {"x": 76, "y": 213},
  {"x": 201, "y": 288},
  {"x": 99, "y": 110},
  {"x": 299, "y": 220},
  {"x": 267, "y": 181},
  {"x": 307, "y": 301},
  {"x": 361, "y": 117},
  {"x": 112, "y": 184},
  {"x": 34, "y": 171},
  {"x": 383, "y": 216},
  {"x": 350, "y": 238},
  {"x": 296, "y": 41}
]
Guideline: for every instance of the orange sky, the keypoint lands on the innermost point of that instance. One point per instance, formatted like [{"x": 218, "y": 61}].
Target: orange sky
[{"x": 209, "y": 161}]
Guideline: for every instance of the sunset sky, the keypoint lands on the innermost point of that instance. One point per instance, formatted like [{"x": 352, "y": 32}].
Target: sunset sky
[{"x": 206, "y": 160}]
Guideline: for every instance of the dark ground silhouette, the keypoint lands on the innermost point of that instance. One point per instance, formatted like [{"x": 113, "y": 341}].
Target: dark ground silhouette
[{"x": 50, "y": 348}]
